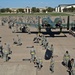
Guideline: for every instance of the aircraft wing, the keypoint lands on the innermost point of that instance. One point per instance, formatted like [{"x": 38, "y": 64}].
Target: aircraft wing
[
  {"x": 68, "y": 25},
  {"x": 28, "y": 24}
]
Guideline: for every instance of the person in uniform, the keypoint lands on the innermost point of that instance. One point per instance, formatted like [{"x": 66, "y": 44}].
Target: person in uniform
[
  {"x": 17, "y": 25},
  {"x": 73, "y": 67},
  {"x": 66, "y": 58},
  {"x": 8, "y": 48},
  {"x": 44, "y": 42},
  {"x": 19, "y": 40},
  {"x": 32, "y": 52},
  {"x": 39, "y": 63},
  {"x": 14, "y": 41},
  {"x": 36, "y": 39},
  {"x": 42, "y": 39},
  {"x": 5, "y": 53},
  {"x": 52, "y": 48},
  {"x": 1, "y": 50},
  {"x": 52, "y": 65},
  {"x": 12, "y": 26}
]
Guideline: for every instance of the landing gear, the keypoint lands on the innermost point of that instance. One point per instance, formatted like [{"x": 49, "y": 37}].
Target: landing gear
[{"x": 50, "y": 32}]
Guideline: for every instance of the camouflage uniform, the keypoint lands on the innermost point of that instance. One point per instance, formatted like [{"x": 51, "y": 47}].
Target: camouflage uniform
[
  {"x": 16, "y": 27},
  {"x": 5, "y": 53},
  {"x": 1, "y": 50},
  {"x": 13, "y": 30},
  {"x": 9, "y": 49},
  {"x": 36, "y": 39},
  {"x": 28, "y": 30},
  {"x": 14, "y": 41},
  {"x": 39, "y": 63},
  {"x": 52, "y": 49},
  {"x": 32, "y": 52},
  {"x": 73, "y": 67},
  {"x": 42, "y": 39},
  {"x": 19, "y": 40},
  {"x": 52, "y": 65},
  {"x": 66, "y": 58}
]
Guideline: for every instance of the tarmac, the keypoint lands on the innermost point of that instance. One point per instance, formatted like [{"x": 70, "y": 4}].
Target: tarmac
[{"x": 16, "y": 65}]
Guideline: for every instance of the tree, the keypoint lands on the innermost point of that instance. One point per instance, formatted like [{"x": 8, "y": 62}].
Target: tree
[
  {"x": 3, "y": 10},
  {"x": 20, "y": 10},
  {"x": 72, "y": 8},
  {"x": 49, "y": 9},
  {"x": 33, "y": 9},
  {"x": 44, "y": 10},
  {"x": 37, "y": 10},
  {"x": 8, "y": 10}
]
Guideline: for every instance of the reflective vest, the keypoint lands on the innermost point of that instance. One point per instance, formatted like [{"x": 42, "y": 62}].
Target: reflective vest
[
  {"x": 32, "y": 52},
  {"x": 40, "y": 60}
]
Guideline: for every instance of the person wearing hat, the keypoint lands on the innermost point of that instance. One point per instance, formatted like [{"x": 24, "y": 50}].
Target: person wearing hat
[
  {"x": 52, "y": 65},
  {"x": 32, "y": 53},
  {"x": 5, "y": 53},
  {"x": 19, "y": 40},
  {"x": 1, "y": 50},
  {"x": 39, "y": 63},
  {"x": 66, "y": 58},
  {"x": 52, "y": 48},
  {"x": 73, "y": 67}
]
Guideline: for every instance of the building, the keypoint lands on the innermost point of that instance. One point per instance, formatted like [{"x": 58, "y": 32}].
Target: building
[
  {"x": 26, "y": 10},
  {"x": 60, "y": 7}
]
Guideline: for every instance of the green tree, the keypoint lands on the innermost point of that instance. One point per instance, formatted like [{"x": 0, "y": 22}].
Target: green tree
[
  {"x": 20, "y": 10},
  {"x": 37, "y": 10},
  {"x": 34, "y": 9},
  {"x": 44, "y": 10},
  {"x": 49, "y": 9},
  {"x": 8, "y": 10},
  {"x": 72, "y": 8},
  {"x": 3, "y": 10}
]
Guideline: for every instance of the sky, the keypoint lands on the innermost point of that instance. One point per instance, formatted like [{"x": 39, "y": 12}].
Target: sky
[{"x": 33, "y": 3}]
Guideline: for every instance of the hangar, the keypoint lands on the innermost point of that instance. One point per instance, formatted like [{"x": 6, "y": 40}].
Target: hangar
[{"x": 60, "y": 7}]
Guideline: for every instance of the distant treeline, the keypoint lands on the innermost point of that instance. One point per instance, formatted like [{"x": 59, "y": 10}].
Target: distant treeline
[{"x": 22, "y": 10}]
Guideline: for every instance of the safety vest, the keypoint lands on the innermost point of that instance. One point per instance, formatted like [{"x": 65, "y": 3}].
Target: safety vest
[
  {"x": 52, "y": 62},
  {"x": 40, "y": 60},
  {"x": 5, "y": 52},
  {"x": 67, "y": 56},
  {"x": 32, "y": 52}
]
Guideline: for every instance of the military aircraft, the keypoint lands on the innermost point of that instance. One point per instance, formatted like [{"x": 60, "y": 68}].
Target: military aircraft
[{"x": 47, "y": 24}]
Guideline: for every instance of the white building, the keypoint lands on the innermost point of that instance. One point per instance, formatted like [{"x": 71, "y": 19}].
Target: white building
[
  {"x": 26, "y": 10},
  {"x": 60, "y": 7}
]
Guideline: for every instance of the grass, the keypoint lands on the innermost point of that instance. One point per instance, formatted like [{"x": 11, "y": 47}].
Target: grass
[{"x": 35, "y": 14}]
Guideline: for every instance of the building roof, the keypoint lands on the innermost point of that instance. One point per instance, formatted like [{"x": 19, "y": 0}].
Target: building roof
[{"x": 65, "y": 5}]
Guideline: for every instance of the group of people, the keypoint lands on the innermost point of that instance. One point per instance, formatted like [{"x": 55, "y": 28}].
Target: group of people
[
  {"x": 18, "y": 25},
  {"x": 42, "y": 40},
  {"x": 17, "y": 41},
  {"x": 69, "y": 63},
  {"x": 5, "y": 51},
  {"x": 37, "y": 61}
]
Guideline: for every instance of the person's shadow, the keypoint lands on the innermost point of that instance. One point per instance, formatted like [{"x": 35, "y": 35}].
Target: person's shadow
[
  {"x": 9, "y": 58},
  {"x": 69, "y": 72}
]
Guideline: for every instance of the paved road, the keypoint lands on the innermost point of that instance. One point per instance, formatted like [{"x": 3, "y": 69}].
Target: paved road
[{"x": 15, "y": 66}]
